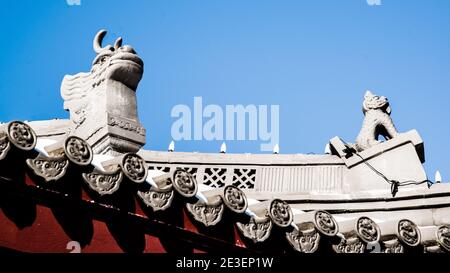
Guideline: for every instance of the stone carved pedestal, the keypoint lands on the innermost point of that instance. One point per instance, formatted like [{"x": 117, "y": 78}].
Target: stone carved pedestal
[
  {"x": 111, "y": 124},
  {"x": 398, "y": 159},
  {"x": 102, "y": 103}
]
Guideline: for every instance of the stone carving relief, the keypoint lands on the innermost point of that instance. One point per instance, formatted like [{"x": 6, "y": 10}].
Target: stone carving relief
[
  {"x": 103, "y": 183},
  {"x": 21, "y": 135},
  {"x": 235, "y": 199},
  {"x": 4, "y": 146},
  {"x": 118, "y": 63},
  {"x": 50, "y": 169},
  {"x": 443, "y": 236},
  {"x": 256, "y": 229},
  {"x": 80, "y": 113},
  {"x": 78, "y": 151},
  {"x": 280, "y": 212},
  {"x": 157, "y": 200},
  {"x": 54, "y": 166},
  {"x": 104, "y": 99},
  {"x": 408, "y": 232},
  {"x": 367, "y": 230},
  {"x": 393, "y": 246},
  {"x": 377, "y": 122},
  {"x": 134, "y": 167},
  {"x": 325, "y": 223},
  {"x": 350, "y": 245},
  {"x": 126, "y": 125},
  {"x": 207, "y": 214},
  {"x": 184, "y": 183},
  {"x": 304, "y": 241}
]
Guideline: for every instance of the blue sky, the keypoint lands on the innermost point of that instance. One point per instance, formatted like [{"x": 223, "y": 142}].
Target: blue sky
[{"x": 313, "y": 58}]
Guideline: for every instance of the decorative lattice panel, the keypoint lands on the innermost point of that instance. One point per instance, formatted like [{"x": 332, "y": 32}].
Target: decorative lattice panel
[
  {"x": 215, "y": 177},
  {"x": 190, "y": 170},
  {"x": 160, "y": 168},
  {"x": 244, "y": 178}
]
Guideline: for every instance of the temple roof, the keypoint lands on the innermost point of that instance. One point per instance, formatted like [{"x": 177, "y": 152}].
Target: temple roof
[{"x": 343, "y": 227}]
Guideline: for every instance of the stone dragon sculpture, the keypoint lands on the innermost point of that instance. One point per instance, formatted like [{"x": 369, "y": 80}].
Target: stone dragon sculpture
[
  {"x": 116, "y": 63},
  {"x": 377, "y": 122}
]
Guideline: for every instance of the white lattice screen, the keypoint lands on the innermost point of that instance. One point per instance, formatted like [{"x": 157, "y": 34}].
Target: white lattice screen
[
  {"x": 244, "y": 178},
  {"x": 215, "y": 177}
]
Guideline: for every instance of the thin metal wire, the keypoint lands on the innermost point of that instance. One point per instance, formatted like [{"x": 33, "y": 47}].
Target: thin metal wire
[{"x": 394, "y": 184}]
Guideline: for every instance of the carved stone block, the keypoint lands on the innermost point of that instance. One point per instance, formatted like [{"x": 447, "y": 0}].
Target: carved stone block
[
  {"x": 388, "y": 158},
  {"x": 102, "y": 102}
]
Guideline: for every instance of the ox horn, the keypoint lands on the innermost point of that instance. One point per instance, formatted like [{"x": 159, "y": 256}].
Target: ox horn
[
  {"x": 118, "y": 43},
  {"x": 97, "y": 43}
]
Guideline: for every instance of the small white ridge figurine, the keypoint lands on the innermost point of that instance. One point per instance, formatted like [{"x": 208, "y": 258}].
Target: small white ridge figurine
[
  {"x": 437, "y": 177},
  {"x": 276, "y": 149},
  {"x": 171, "y": 146},
  {"x": 223, "y": 148}
]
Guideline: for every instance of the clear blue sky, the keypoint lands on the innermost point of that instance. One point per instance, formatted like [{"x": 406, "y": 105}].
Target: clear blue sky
[{"x": 313, "y": 58}]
